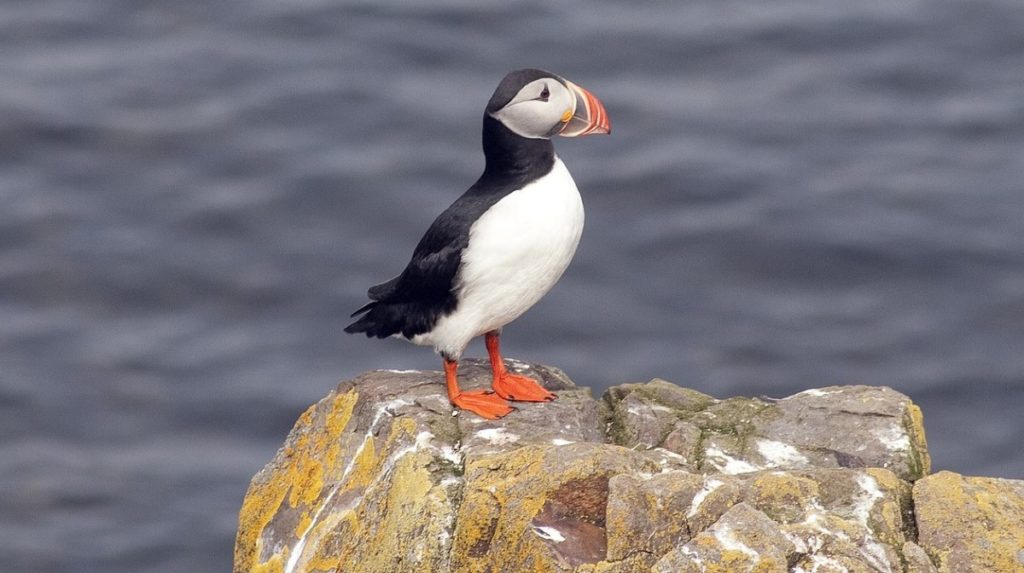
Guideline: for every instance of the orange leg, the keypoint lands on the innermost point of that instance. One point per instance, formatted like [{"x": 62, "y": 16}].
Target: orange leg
[
  {"x": 481, "y": 402},
  {"x": 512, "y": 386}
]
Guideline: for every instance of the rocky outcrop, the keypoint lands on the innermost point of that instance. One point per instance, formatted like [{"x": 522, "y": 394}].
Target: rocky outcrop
[
  {"x": 382, "y": 476},
  {"x": 970, "y": 523}
]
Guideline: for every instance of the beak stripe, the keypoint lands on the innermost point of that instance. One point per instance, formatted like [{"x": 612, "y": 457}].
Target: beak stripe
[
  {"x": 597, "y": 110},
  {"x": 590, "y": 116}
]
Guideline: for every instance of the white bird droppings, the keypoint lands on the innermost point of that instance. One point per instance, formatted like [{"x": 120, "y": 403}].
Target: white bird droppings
[
  {"x": 873, "y": 551},
  {"x": 497, "y": 436},
  {"x": 727, "y": 539},
  {"x": 813, "y": 392},
  {"x": 709, "y": 486},
  {"x": 727, "y": 464},
  {"x": 778, "y": 454},
  {"x": 549, "y": 533},
  {"x": 894, "y": 438}
]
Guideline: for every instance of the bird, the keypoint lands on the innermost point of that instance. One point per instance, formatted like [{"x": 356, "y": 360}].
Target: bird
[{"x": 501, "y": 246}]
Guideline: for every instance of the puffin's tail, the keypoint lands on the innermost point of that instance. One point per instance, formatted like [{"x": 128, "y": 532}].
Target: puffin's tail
[
  {"x": 379, "y": 318},
  {"x": 383, "y": 319},
  {"x": 366, "y": 323}
]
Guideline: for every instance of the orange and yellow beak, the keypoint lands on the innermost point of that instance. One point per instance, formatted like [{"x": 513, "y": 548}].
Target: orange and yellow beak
[{"x": 587, "y": 117}]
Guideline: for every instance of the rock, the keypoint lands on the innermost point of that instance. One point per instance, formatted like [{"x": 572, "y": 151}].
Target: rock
[
  {"x": 380, "y": 476},
  {"x": 854, "y": 517},
  {"x": 917, "y": 560},
  {"x": 742, "y": 539},
  {"x": 854, "y": 427},
  {"x": 971, "y": 523},
  {"x": 352, "y": 486}
]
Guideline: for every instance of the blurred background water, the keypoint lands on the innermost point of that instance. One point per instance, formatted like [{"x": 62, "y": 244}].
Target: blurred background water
[{"x": 196, "y": 194}]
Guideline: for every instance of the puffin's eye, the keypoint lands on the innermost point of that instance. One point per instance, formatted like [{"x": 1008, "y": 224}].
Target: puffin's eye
[{"x": 544, "y": 94}]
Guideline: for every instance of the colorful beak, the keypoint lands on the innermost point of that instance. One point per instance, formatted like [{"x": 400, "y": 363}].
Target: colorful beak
[{"x": 588, "y": 118}]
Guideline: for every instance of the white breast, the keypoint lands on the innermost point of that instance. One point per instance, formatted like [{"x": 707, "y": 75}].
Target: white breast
[{"x": 517, "y": 251}]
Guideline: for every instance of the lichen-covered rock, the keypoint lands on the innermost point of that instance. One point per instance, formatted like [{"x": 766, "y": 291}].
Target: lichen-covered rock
[
  {"x": 382, "y": 476},
  {"x": 848, "y": 426},
  {"x": 353, "y": 483},
  {"x": 825, "y": 516},
  {"x": 538, "y": 507},
  {"x": 743, "y": 539},
  {"x": 379, "y": 476},
  {"x": 917, "y": 560},
  {"x": 971, "y": 523}
]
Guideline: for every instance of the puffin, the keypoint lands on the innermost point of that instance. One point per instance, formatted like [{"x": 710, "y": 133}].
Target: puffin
[{"x": 500, "y": 246}]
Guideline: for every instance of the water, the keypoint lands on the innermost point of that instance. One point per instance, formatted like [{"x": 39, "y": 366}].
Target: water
[{"x": 195, "y": 195}]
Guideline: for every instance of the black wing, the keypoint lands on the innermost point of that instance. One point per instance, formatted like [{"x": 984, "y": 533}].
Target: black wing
[{"x": 412, "y": 302}]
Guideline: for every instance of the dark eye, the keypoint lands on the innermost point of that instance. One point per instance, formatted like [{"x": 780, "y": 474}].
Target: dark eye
[{"x": 544, "y": 94}]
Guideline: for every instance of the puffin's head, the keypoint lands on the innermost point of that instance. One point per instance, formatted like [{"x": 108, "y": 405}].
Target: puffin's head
[{"x": 538, "y": 104}]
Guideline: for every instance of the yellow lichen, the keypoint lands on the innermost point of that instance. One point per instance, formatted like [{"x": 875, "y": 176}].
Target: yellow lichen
[
  {"x": 337, "y": 420},
  {"x": 364, "y": 467},
  {"x": 400, "y": 539},
  {"x": 914, "y": 425},
  {"x": 306, "y": 471},
  {"x": 490, "y": 525},
  {"x": 260, "y": 504},
  {"x": 970, "y": 522},
  {"x": 783, "y": 496},
  {"x": 297, "y": 478},
  {"x": 732, "y": 560},
  {"x": 505, "y": 492},
  {"x": 884, "y": 478},
  {"x": 888, "y": 527},
  {"x": 304, "y": 522},
  {"x": 323, "y": 557}
]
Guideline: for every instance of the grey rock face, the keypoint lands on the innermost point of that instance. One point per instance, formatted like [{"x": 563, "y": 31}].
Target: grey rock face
[
  {"x": 839, "y": 427},
  {"x": 382, "y": 475}
]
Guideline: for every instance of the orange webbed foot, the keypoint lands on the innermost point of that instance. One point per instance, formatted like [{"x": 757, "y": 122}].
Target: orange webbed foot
[
  {"x": 520, "y": 388},
  {"x": 482, "y": 403}
]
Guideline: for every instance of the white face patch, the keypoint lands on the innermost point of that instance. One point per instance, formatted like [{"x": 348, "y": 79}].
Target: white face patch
[{"x": 530, "y": 114}]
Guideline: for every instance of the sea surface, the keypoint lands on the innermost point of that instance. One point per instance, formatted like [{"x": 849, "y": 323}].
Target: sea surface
[{"x": 194, "y": 195}]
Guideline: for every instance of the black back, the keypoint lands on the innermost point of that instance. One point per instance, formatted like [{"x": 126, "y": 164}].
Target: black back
[{"x": 412, "y": 302}]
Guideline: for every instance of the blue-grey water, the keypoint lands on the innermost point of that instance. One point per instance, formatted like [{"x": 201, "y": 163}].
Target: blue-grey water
[{"x": 194, "y": 195}]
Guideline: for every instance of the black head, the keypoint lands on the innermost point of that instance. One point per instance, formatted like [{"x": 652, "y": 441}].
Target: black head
[{"x": 537, "y": 104}]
